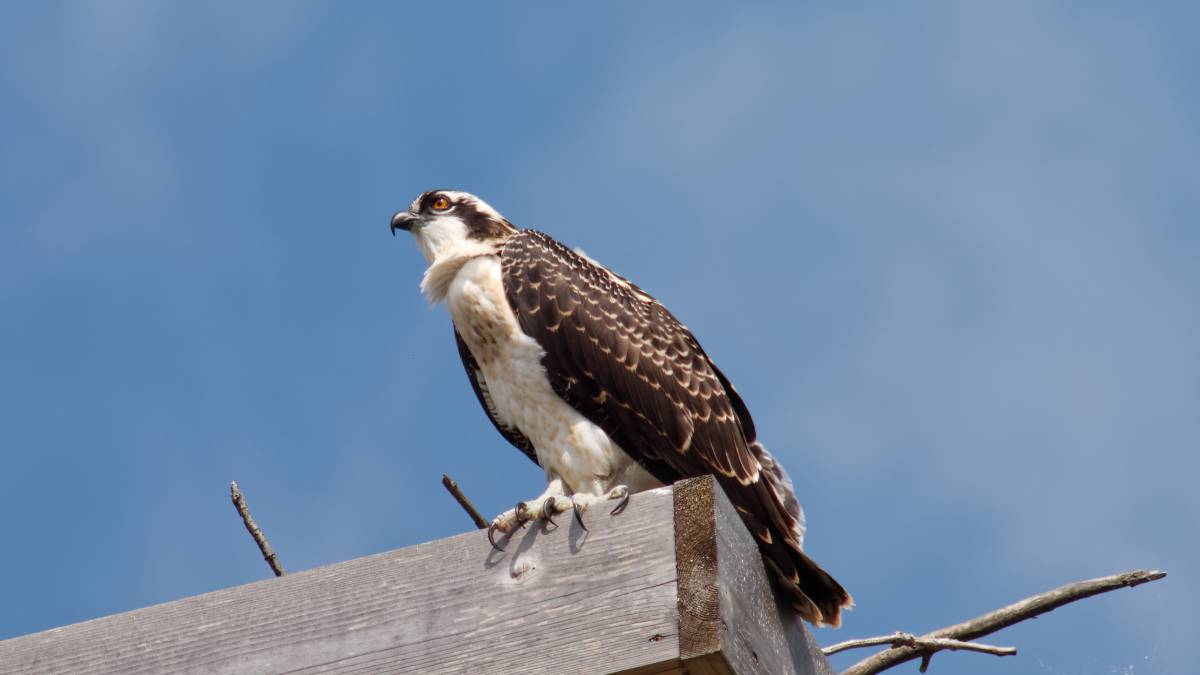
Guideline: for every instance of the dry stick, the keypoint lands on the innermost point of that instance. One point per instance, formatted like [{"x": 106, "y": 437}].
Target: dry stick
[
  {"x": 462, "y": 500},
  {"x": 239, "y": 502},
  {"x": 1002, "y": 618},
  {"x": 899, "y": 639}
]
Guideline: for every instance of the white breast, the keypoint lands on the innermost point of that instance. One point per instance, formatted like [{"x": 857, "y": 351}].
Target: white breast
[{"x": 568, "y": 446}]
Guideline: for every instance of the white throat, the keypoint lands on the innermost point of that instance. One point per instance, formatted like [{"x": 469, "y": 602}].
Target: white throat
[
  {"x": 438, "y": 235},
  {"x": 444, "y": 242}
]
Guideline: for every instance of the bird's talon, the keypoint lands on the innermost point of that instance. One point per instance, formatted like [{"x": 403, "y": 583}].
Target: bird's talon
[
  {"x": 621, "y": 506},
  {"x": 548, "y": 511},
  {"x": 492, "y": 538},
  {"x": 579, "y": 517}
]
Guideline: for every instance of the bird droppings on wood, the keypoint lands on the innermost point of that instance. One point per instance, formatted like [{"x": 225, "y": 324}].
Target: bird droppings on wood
[{"x": 520, "y": 569}]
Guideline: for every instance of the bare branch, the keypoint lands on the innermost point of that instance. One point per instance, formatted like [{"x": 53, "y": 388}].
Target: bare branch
[
  {"x": 462, "y": 500},
  {"x": 239, "y": 502},
  {"x": 909, "y": 640},
  {"x": 993, "y": 621},
  {"x": 895, "y": 639}
]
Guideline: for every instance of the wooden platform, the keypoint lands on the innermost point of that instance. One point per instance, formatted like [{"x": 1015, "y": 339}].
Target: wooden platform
[{"x": 674, "y": 584}]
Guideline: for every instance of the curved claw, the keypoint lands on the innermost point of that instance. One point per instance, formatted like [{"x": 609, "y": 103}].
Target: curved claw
[
  {"x": 522, "y": 512},
  {"x": 579, "y": 517},
  {"x": 621, "y": 506},
  {"x": 548, "y": 511},
  {"x": 492, "y": 538}
]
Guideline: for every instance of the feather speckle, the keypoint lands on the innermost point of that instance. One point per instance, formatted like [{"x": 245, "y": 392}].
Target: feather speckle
[{"x": 599, "y": 384}]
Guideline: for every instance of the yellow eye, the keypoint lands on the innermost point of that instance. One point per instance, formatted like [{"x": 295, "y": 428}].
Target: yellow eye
[{"x": 440, "y": 204}]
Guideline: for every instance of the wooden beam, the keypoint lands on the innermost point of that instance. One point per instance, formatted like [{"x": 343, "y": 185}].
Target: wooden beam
[
  {"x": 729, "y": 620},
  {"x": 674, "y": 584}
]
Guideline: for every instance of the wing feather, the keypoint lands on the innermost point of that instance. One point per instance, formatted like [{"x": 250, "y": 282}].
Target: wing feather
[
  {"x": 623, "y": 361},
  {"x": 604, "y": 341}
]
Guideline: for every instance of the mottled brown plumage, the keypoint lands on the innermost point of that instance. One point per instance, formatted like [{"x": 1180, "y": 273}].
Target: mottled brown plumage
[
  {"x": 622, "y": 360},
  {"x": 627, "y": 393}
]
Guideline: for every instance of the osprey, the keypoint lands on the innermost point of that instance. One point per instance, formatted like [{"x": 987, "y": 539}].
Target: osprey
[{"x": 600, "y": 385}]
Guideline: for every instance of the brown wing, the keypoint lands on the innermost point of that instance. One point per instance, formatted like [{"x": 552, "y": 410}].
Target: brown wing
[
  {"x": 511, "y": 434},
  {"x": 623, "y": 361}
]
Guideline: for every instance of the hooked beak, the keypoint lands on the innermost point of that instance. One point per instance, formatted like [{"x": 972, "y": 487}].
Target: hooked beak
[{"x": 403, "y": 220}]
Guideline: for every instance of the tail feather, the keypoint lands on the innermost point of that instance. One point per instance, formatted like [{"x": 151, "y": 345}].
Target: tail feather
[
  {"x": 812, "y": 592},
  {"x": 771, "y": 512}
]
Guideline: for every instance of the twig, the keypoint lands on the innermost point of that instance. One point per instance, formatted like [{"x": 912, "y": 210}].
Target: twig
[
  {"x": 239, "y": 502},
  {"x": 928, "y": 646},
  {"x": 909, "y": 640},
  {"x": 993, "y": 621},
  {"x": 462, "y": 500}
]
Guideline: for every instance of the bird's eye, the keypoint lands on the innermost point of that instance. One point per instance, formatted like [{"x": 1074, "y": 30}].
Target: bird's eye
[{"x": 440, "y": 204}]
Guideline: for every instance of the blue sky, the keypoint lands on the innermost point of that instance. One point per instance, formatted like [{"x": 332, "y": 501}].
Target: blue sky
[{"x": 947, "y": 252}]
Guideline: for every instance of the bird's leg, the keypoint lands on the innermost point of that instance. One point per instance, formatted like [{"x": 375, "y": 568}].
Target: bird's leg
[
  {"x": 581, "y": 501},
  {"x": 544, "y": 507}
]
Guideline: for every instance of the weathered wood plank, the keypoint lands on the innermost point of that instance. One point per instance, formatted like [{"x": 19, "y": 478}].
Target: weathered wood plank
[
  {"x": 562, "y": 600},
  {"x": 729, "y": 619},
  {"x": 557, "y": 601}
]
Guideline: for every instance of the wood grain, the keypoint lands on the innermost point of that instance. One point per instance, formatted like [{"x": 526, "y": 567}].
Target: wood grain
[
  {"x": 729, "y": 619},
  {"x": 557, "y": 601}
]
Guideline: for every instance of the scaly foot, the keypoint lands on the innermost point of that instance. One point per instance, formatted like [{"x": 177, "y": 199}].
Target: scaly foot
[
  {"x": 551, "y": 503},
  {"x": 581, "y": 501},
  {"x": 523, "y": 512}
]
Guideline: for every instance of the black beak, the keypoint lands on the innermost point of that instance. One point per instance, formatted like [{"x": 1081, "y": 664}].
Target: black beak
[{"x": 403, "y": 220}]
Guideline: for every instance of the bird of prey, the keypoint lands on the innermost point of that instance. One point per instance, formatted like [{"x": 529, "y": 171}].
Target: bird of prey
[{"x": 595, "y": 381}]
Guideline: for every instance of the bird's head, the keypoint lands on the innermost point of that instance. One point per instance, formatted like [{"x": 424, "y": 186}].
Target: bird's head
[{"x": 444, "y": 220}]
